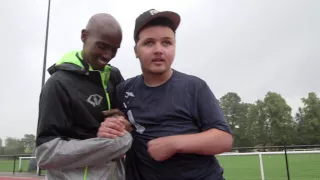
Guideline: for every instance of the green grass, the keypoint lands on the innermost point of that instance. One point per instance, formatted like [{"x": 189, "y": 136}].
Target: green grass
[
  {"x": 301, "y": 167},
  {"x": 7, "y": 165}
]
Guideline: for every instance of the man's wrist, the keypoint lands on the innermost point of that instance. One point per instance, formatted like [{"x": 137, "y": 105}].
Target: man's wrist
[
  {"x": 180, "y": 142},
  {"x": 128, "y": 128}
]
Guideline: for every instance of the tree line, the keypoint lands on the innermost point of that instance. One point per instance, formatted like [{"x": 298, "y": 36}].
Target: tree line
[
  {"x": 266, "y": 122},
  {"x": 269, "y": 121},
  {"x": 13, "y": 146}
]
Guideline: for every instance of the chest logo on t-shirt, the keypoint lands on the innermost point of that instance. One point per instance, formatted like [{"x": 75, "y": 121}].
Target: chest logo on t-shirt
[
  {"x": 129, "y": 96},
  {"x": 95, "y": 100}
]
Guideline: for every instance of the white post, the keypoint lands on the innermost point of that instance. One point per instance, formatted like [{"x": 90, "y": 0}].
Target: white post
[
  {"x": 20, "y": 165},
  {"x": 38, "y": 169},
  {"x": 261, "y": 166}
]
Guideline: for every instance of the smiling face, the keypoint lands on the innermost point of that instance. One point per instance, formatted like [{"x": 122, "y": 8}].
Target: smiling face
[
  {"x": 101, "y": 40},
  {"x": 156, "y": 49},
  {"x": 100, "y": 47}
]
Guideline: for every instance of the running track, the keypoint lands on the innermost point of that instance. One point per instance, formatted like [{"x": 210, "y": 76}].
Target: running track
[{"x": 19, "y": 178}]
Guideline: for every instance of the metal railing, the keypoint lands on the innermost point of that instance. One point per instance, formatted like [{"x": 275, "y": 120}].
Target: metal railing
[
  {"x": 297, "y": 162},
  {"x": 9, "y": 163}
]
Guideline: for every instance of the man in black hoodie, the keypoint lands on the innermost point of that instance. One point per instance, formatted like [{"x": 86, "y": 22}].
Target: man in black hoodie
[{"x": 82, "y": 86}]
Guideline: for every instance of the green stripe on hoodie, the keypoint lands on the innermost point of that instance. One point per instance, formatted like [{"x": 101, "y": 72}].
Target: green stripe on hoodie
[{"x": 72, "y": 58}]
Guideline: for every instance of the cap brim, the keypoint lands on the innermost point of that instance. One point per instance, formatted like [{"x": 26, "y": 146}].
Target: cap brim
[{"x": 174, "y": 17}]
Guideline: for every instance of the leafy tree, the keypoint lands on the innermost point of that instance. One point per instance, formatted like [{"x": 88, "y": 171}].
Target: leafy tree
[
  {"x": 308, "y": 119},
  {"x": 236, "y": 114},
  {"x": 260, "y": 128},
  {"x": 270, "y": 122},
  {"x": 1, "y": 147},
  {"x": 13, "y": 146},
  {"x": 28, "y": 142},
  {"x": 279, "y": 119}
]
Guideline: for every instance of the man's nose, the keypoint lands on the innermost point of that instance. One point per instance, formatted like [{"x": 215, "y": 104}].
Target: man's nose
[
  {"x": 107, "y": 55},
  {"x": 158, "y": 48}
]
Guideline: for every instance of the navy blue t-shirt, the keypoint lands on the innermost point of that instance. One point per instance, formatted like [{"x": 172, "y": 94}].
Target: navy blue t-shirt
[{"x": 183, "y": 105}]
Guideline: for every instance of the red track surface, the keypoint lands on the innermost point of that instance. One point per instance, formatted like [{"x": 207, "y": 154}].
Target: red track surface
[{"x": 19, "y": 178}]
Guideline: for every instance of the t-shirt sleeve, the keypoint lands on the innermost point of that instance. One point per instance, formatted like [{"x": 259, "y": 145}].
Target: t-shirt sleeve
[{"x": 208, "y": 111}]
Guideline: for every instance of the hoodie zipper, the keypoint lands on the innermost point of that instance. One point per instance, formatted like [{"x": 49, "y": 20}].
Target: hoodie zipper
[
  {"x": 105, "y": 81},
  {"x": 104, "y": 76}
]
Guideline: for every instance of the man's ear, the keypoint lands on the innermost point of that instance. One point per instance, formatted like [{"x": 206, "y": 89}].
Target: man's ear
[
  {"x": 84, "y": 35},
  {"x": 135, "y": 51}
]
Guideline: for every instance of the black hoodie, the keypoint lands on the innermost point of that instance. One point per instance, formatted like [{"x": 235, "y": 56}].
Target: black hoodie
[
  {"x": 70, "y": 113},
  {"x": 73, "y": 98}
]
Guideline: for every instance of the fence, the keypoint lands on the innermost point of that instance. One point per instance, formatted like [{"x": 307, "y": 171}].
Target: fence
[
  {"x": 10, "y": 163},
  {"x": 272, "y": 163},
  {"x": 246, "y": 163}
]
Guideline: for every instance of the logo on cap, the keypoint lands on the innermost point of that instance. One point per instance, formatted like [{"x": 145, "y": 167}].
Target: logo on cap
[{"x": 153, "y": 12}]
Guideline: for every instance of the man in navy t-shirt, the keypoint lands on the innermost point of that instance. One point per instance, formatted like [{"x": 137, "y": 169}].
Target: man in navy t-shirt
[{"x": 178, "y": 124}]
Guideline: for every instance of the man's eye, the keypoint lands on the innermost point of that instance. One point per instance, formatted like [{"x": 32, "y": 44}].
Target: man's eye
[
  {"x": 166, "y": 43},
  {"x": 148, "y": 43},
  {"x": 102, "y": 46}
]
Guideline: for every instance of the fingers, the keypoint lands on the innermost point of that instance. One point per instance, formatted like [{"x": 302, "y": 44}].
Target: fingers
[
  {"x": 106, "y": 135},
  {"x": 112, "y": 112},
  {"x": 123, "y": 121},
  {"x": 126, "y": 123},
  {"x": 113, "y": 123},
  {"x": 110, "y": 133},
  {"x": 120, "y": 117},
  {"x": 111, "y": 128}
]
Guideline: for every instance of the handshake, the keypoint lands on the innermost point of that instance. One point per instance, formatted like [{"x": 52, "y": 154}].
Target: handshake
[{"x": 114, "y": 124}]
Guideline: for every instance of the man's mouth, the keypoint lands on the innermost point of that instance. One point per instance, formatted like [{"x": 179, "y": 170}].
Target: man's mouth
[
  {"x": 103, "y": 61},
  {"x": 158, "y": 60}
]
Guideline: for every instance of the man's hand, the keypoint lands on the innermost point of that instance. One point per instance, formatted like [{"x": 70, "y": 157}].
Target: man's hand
[
  {"x": 112, "y": 127},
  {"x": 126, "y": 123},
  {"x": 120, "y": 115},
  {"x": 113, "y": 112},
  {"x": 163, "y": 148}
]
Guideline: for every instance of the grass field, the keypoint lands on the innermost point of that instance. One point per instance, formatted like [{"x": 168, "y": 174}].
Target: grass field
[
  {"x": 301, "y": 166},
  {"x": 7, "y": 165}
]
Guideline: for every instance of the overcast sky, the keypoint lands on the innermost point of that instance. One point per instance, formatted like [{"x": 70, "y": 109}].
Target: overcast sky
[{"x": 244, "y": 46}]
